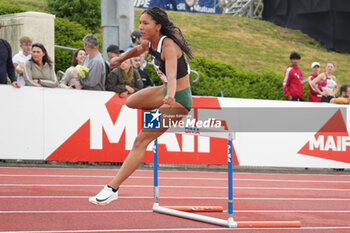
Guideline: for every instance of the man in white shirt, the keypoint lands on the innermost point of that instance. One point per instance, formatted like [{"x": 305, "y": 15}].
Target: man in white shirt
[{"x": 20, "y": 58}]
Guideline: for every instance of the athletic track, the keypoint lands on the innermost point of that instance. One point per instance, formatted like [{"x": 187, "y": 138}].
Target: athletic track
[{"x": 55, "y": 200}]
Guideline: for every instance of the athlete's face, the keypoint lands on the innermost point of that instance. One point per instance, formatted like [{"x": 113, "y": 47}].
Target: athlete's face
[
  {"x": 148, "y": 27},
  {"x": 330, "y": 68}
]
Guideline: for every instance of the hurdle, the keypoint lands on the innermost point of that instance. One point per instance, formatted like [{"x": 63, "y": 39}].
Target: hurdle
[{"x": 185, "y": 212}]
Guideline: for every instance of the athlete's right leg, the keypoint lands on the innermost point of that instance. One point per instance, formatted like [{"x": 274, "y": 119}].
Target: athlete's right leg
[
  {"x": 136, "y": 156},
  {"x": 149, "y": 98}
]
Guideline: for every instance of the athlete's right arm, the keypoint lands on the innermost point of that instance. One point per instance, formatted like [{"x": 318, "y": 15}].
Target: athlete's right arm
[{"x": 134, "y": 52}]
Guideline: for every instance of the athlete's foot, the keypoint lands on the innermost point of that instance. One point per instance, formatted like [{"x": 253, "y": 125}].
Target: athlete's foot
[{"x": 105, "y": 196}]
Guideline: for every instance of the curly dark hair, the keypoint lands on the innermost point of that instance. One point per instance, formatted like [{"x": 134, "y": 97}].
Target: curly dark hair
[
  {"x": 169, "y": 29},
  {"x": 46, "y": 57}
]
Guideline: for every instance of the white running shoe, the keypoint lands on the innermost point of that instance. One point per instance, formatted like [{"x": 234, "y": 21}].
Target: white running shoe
[{"x": 105, "y": 196}]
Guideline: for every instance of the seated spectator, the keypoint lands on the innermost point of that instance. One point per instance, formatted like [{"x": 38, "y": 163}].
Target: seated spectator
[
  {"x": 344, "y": 97},
  {"x": 70, "y": 74},
  {"x": 314, "y": 96},
  {"x": 136, "y": 61},
  {"x": 328, "y": 82},
  {"x": 124, "y": 80},
  {"x": 6, "y": 65},
  {"x": 95, "y": 77},
  {"x": 39, "y": 71},
  {"x": 293, "y": 79},
  {"x": 20, "y": 58}
]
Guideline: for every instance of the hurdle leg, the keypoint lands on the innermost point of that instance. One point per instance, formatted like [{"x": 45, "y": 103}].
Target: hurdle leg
[
  {"x": 155, "y": 174},
  {"x": 230, "y": 220}
]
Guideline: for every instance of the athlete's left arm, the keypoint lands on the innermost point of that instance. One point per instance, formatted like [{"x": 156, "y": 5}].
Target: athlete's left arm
[
  {"x": 335, "y": 91},
  {"x": 170, "y": 58}
]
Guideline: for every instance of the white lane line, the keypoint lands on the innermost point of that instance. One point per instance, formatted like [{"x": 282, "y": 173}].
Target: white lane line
[
  {"x": 150, "y": 211},
  {"x": 181, "y": 178},
  {"x": 172, "y": 186},
  {"x": 199, "y": 198},
  {"x": 174, "y": 171},
  {"x": 186, "y": 229}
]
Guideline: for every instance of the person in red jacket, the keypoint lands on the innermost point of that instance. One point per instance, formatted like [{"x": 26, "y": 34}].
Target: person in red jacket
[
  {"x": 314, "y": 96},
  {"x": 293, "y": 79}
]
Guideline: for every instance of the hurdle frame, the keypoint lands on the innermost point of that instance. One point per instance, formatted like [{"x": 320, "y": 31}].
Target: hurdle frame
[{"x": 230, "y": 223}]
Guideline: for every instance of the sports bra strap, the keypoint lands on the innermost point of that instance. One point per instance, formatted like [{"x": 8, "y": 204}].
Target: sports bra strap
[{"x": 160, "y": 44}]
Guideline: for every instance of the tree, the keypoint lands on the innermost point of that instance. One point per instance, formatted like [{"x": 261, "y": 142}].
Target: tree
[{"x": 85, "y": 12}]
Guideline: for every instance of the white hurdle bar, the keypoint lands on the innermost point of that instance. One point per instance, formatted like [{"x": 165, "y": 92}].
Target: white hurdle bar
[{"x": 230, "y": 223}]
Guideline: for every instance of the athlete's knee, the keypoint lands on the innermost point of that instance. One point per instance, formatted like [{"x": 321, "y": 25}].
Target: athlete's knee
[
  {"x": 130, "y": 102},
  {"x": 141, "y": 141}
]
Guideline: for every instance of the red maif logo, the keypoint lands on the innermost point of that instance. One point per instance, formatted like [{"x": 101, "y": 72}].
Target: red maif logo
[
  {"x": 331, "y": 142},
  {"x": 109, "y": 134}
]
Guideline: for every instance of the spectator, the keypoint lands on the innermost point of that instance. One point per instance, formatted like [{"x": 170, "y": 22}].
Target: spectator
[
  {"x": 113, "y": 51},
  {"x": 136, "y": 61},
  {"x": 20, "y": 58},
  {"x": 124, "y": 79},
  {"x": 6, "y": 65},
  {"x": 136, "y": 39},
  {"x": 344, "y": 97},
  {"x": 314, "y": 96},
  {"x": 328, "y": 82},
  {"x": 39, "y": 71},
  {"x": 71, "y": 74},
  {"x": 95, "y": 78},
  {"x": 293, "y": 78}
]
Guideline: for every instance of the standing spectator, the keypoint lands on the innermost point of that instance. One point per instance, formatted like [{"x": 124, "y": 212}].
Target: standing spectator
[
  {"x": 20, "y": 58},
  {"x": 6, "y": 65},
  {"x": 135, "y": 38},
  {"x": 95, "y": 78},
  {"x": 344, "y": 97},
  {"x": 124, "y": 80},
  {"x": 314, "y": 96},
  {"x": 39, "y": 71},
  {"x": 136, "y": 61},
  {"x": 71, "y": 74},
  {"x": 328, "y": 82},
  {"x": 293, "y": 78},
  {"x": 113, "y": 51}
]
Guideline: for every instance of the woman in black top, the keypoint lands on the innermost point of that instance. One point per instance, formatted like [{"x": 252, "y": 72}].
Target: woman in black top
[{"x": 165, "y": 42}]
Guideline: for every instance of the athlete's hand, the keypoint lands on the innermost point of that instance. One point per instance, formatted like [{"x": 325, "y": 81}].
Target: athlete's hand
[
  {"x": 169, "y": 100},
  {"x": 115, "y": 62}
]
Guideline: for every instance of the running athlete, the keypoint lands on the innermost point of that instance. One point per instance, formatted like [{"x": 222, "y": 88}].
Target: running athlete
[
  {"x": 165, "y": 42},
  {"x": 328, "y": 83}
]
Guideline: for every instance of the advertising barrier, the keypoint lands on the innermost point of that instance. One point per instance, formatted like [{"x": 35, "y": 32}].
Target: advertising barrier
[{"x": 77, "y": 125}]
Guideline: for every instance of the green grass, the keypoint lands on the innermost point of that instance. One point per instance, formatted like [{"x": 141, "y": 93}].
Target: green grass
[
  {"x": 253, "y": 44},
  {"x": 30, "y": 5},
  {"x": 248, "y": 43}
]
